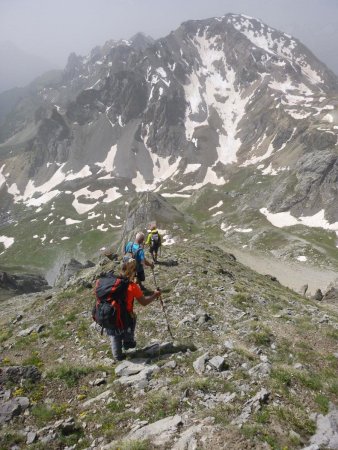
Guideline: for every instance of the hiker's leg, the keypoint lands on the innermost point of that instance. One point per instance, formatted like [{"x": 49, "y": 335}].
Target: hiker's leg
[
  {"x": 116, "y": 347},
  {"x": 129, "y": 336},
  {"x": 141, "y": 277}
]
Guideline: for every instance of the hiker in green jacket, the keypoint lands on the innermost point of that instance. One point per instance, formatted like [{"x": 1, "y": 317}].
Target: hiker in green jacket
[{"x": 154, "y": 241}]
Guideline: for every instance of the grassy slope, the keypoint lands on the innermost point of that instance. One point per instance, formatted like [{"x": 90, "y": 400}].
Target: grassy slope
[{"x": 260, "y": 316}]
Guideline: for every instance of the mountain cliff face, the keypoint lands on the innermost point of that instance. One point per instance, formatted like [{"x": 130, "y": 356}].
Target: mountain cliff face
[{"x": 214, "y": 102}]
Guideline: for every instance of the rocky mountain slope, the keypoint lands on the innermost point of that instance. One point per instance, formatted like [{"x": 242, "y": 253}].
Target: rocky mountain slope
[
  {"x": 230, "y": 120},
  {"x": 253, "y": 364}
]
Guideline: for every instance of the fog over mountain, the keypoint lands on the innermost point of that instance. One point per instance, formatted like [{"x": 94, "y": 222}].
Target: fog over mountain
[
  {"x": 35, "y": 26},
  {"x": 19, "y": 68}
]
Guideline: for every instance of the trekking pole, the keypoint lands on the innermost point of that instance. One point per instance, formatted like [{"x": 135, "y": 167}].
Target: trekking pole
[{"x": 163, "y": 307}]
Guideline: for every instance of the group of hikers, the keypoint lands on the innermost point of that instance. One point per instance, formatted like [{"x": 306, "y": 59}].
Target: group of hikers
[{"x": 115, "y": 295}]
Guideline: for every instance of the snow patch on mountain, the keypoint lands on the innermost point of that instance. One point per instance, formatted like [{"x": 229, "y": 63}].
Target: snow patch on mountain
[
  {"x": 108, "y": 164},
  {"x": 111, "y": 195},
  {"x": 286, "y": 219},
  {"x": 2, "y": 177},
  {"x": 46, "y": 189},
  {"x": 82, "y": 208},
  {"x": 218, "y": 205},
  {"x": 283, "y": 46},
  {"x": 210, "y": 177},
  {"x": 45, "y": 198},
  {"x": 191, "y": 168},
  {"x": 204, "y": 88},
  {"x": 7, "y": 241},
  {"x": 72, "y": 221},
  {"x": 270, "y": 171},
  {"x": 166, "y": 194}
]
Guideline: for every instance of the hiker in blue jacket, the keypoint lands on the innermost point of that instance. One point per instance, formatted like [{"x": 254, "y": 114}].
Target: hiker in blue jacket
[{"x": 135, "y": 248}]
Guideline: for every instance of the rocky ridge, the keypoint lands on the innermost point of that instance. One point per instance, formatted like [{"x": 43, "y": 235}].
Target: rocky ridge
[{"x": 253, "y": 364}]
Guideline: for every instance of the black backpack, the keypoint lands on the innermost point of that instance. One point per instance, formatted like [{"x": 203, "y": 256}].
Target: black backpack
[
  {"x": 110, "y": 308},
  {"x": 155, "y": 239}
]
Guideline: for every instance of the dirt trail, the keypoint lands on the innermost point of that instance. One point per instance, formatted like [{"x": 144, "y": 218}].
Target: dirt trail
[{"x": 291, "y": 274}]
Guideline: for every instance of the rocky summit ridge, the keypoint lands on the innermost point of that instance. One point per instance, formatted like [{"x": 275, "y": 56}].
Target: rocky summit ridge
[
  {"x": 252, "y": 364},
  {"x": 225, "y": 108}
]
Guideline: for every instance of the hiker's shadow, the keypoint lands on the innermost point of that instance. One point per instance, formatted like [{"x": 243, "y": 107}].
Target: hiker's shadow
[
  {"x": 167, "y": 263},
  {"x": 159, "y": 351}
]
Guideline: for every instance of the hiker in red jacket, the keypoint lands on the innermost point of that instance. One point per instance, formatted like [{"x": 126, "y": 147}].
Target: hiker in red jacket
[{"x": 126, "y": 339}]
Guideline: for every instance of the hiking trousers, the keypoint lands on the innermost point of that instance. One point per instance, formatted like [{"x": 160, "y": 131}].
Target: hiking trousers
[{"x": 125, "y": 340}]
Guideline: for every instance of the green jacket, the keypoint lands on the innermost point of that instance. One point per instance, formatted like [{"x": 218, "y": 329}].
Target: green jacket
[{"x": 149, "y": 240}]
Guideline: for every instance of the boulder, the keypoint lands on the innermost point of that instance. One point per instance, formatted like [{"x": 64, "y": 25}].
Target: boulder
[
  {"x": 13, "y": 407},
  {"x": 327, "y": 430},
  {"x": 159, "y": 432},
  {"x": 68, "y": 270},
  {"x": 22, "y": 283},
  {"x": 16, "y": 374},
  {"x": 331, "y": 295},
  {"x": 318, "y": 295},
  {"x": 218, "y": 363},
  {"x": 199, "y": 363}
]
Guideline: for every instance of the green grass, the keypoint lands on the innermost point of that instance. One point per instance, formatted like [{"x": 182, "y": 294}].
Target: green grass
[
  {"x": 323, "y": 403},
  {"x": 5, "y": 335},
  {"x": 9, "y": 439},
  {"x": 133, "y": 445},
  {"x": 296, "y": 419},
  {"x": 33, "y": 360},
  {"x": 241, "y": 300},
  {"x": 282, "y": 377},
  {"x": 45, "y": 413},
  {"x": 68, "y": 374},
  {"x": 261, "y": 338},
  {"x": 158, "y": 406}
]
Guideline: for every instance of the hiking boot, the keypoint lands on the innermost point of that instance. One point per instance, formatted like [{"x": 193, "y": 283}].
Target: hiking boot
[{"x": 128, "y": 345}]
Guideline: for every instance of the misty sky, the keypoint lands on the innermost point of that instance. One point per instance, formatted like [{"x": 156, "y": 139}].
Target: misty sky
[{"x": 54, "y": 28}]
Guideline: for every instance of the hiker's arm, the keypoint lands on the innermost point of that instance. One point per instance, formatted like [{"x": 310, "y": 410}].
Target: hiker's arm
[{"x": 144, "y": 301}]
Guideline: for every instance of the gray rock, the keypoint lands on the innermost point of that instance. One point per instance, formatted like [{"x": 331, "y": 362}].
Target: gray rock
[
  {"x": 229, "y": 345},
  {"x": 170, "y": 365},
  {"x": 33, "y": 328},
  {"x": 127, "y": 368},
  {"x": 22, "y": 283},
  {"x": 68, "y": 270},
  {"x": 99, "y": 381},
  {"x": 218, "y": 362},
  {"x": 31, "y": 437},
  {"x": 103, "y": 396},
  {"x": 13, "y": 407},
  {"x": 159, "y": 432},
  {"x": 199, "y": 363},
  {"x": 15, "y": 374},
  {"x": 139, "y": 380},
  {"x": 252, "y": 405},
  {"x": 331, "y": 295},
  {"x": 318, "y": 295},
  {"x": 261, "y": 370},
  {"x": 187, "y": 440},
  {"x": 327, "y": 430}
]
